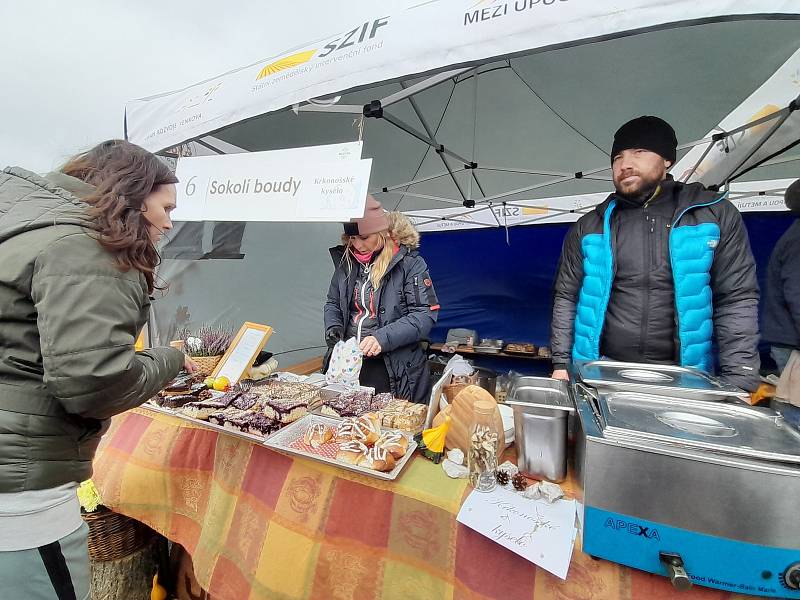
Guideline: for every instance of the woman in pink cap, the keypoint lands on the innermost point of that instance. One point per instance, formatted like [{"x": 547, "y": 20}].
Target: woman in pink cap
[{"x": 381, "y": 293}]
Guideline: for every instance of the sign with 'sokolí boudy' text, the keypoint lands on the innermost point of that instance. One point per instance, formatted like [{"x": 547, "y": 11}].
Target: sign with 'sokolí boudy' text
[{"x": 318, "y": 183}]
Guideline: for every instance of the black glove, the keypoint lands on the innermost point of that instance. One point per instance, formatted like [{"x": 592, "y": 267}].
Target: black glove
[{"x": 333, "y": 335}]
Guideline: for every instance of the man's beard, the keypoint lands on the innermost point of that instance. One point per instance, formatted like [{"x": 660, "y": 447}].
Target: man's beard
[{"x": 642, "y": 192}]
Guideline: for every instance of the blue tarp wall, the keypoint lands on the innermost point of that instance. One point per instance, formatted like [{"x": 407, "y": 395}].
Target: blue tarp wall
[{"x": 505, "y": 291}]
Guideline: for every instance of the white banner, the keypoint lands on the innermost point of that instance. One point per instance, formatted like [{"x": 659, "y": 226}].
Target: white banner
[
  {"x": 424, "y": 38},
  {"x": 747, "y": 196},
  {"x": 320, "y": 183}
]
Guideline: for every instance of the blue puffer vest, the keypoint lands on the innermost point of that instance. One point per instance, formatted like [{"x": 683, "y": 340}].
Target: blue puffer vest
[{"x": 691, "y": 255}]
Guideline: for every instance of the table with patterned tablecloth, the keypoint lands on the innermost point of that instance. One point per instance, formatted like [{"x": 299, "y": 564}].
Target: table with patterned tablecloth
[{"x": 262, "y": 525}]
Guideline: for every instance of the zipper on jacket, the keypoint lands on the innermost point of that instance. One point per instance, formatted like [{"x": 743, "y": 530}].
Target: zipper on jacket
[
  {"x": 416, "y": 290},
  {"x": 367, "y": 269},
  {"x": 648, "y": 259}
]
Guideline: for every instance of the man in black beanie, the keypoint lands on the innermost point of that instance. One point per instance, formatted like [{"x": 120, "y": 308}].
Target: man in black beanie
[
  {"x": 659, "y": 271},
  {"x": 781, "y": 317}
]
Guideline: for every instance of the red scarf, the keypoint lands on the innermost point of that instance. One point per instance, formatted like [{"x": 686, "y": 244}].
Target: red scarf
[{"x": 366, "y": 257}]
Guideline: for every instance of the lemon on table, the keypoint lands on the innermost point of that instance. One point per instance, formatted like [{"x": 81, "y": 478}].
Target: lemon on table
[
  {"x": 209, "y": 382},
  {"x": 222, "y": 383}
]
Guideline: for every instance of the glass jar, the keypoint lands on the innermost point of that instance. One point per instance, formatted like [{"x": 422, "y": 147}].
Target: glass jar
[{"x": 483, "y": 446}]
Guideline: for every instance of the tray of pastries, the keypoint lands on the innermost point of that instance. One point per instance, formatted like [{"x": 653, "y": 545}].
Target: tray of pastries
[
  {"x": 391, "y": 412},
  {"x": 521, "y": 348},
  {"x": 251, "y": 410},
  {"x": 358, "y": 444}
]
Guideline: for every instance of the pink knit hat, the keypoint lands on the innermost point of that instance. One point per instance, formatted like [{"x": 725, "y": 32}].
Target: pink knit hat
[{"x": 373, "y": 221}]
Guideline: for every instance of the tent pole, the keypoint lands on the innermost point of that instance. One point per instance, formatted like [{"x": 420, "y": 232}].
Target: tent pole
[
  {"x": 474, "y": 124},
  {"x": 209, "y": 146},
  {"x": 525, "y": 171},
  {"x": 452, "y": 176},
  {"x": 760, "y": 143},
  {"x": 434, "y": 144},
  {"x": 793, "y": 106},
  {"x": 409, "y": 91},
  {"x": 780, "y": 161},
  {"x": 440, "y": 149},
  {"x": 528, "y": 188},
  {"x": 767, "y": 161},
  {"x": 427, "y": 197},
  {"x": 474, "y": 163},
  {"x": 420, "y": 136},
  {"x": 699, "y": 160},
  {"x": 412, "y": 182}
]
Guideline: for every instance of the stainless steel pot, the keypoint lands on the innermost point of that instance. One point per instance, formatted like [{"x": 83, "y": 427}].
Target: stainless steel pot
[{"x": 542, "y": 408}]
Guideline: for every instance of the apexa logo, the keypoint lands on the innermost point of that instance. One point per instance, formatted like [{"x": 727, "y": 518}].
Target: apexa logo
[
  {"x": 361, "y": 34},
  {"x": 651, "y": 533}
]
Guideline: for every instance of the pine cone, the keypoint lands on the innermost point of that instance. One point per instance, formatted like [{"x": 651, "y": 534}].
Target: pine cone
[
  {"x": 520, "y": 482},
  {"x": 502, "y": 477}
]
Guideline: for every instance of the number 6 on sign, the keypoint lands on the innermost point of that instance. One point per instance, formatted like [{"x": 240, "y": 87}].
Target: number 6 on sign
[{"x": 190, "y": 186}]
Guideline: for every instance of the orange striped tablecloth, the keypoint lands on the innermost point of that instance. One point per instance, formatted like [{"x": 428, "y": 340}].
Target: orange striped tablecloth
[{"x": 262, "y": 525}]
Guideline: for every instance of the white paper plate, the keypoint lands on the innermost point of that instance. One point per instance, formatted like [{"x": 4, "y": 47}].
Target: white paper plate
[{"x": 507, "y": 414}]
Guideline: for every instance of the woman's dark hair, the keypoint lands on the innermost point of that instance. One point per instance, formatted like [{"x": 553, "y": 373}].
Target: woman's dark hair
[{"x": 123, "y": 175}]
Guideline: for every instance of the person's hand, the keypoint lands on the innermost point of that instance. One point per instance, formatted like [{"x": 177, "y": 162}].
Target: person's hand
[
  {"x": 189, "y": 365},
  {"x": 370, "y": 346},
  {"x": 560, "y": 374},
  {"x": 333, "y": 335}
]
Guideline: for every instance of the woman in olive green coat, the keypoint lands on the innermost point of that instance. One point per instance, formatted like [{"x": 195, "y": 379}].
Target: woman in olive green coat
[{"x": 77, "y": 268}]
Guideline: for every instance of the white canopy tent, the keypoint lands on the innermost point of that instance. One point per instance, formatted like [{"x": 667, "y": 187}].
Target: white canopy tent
[{"x": 489, "y": 113}]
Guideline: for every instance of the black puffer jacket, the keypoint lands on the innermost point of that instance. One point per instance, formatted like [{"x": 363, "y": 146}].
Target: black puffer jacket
[
  {"x": 781, "y": 318},
  {"x": 732, "y": 305},
  {"x": 407, "y": 310},
  {"x": 643, "y": 292}
]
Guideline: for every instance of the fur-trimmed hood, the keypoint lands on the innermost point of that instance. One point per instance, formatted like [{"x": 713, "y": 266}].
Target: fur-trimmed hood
[{"x": 402, "y": 230}]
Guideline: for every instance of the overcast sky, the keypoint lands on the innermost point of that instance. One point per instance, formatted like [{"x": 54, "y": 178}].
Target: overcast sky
[{"x": 68, "y": 68}]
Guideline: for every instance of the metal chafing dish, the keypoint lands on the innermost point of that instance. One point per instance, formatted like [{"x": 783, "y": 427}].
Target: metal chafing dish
[
  {"x": 664, "y": 380},
  {"x": 725, "y": 428},
  {"x": 702, "y": 492},
  {"x": 543, "y": 408}
]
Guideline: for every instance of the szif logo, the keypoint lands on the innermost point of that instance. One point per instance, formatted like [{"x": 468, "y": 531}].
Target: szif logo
[{"x": 287, "y": 62}]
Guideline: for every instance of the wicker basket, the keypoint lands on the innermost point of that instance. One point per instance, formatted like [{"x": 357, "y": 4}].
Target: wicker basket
[
  {"x": 451, "y": 391},
  {"x": 113, "y": 536},
  {"x": 206, "y": 364}
]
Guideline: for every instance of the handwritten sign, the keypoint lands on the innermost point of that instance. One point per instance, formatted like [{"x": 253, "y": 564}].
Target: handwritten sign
[
  {"x": 540, "y": 532},
  {"x": 243, "y": 350}
]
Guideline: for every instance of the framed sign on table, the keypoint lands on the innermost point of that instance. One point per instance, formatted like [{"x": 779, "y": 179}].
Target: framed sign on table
[{"x": 239, "y": 357}]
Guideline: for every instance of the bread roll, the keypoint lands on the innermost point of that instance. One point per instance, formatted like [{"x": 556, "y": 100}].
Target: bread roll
[
  {"x": 351, "y": 452},
  {"x": 377, "y": 459},
  {"x": 369, "y": 426},
  {"x": 393, "y": 442},
  {"x": 347, "y": 432},
  {"x": 317, "y": 434}
]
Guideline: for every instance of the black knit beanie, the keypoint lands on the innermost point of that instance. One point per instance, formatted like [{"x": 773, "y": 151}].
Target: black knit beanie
[
  {"x": 792, "y": 197},
  {"x": 648, "y": 133}
]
